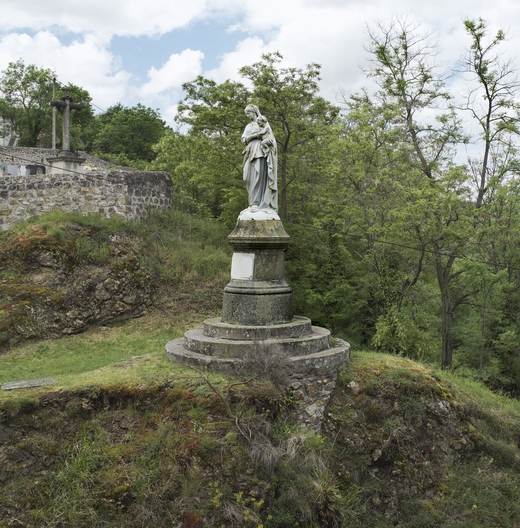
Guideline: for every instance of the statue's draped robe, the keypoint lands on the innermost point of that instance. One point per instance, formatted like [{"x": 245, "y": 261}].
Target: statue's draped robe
[{"x": 260, "y": 170}]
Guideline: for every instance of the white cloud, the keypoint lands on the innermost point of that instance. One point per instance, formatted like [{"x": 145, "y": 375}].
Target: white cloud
[
  {"x": 329, "y": 32},
  {"x": 180, "y": 68},
  {"x": 85, "y": 62},
  {"x": 247, "y": 52},
  {"x": 233, "y": 28},
  {"x": 333, "y": 33},
  {"x": 115, "y": 17}
]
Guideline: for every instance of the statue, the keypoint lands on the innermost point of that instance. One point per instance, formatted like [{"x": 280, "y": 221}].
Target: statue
[{"x": 260, "y": 164}]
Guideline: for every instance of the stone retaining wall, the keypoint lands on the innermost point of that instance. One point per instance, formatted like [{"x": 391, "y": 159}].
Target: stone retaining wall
[{"x": 127, "y": 194}]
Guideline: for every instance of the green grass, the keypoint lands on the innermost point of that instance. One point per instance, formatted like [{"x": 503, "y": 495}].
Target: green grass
[
  {"x": 177, "y": 246},
  {"x": 165, "y": 415},
  {"x": 186, "y": 258},
  {"x": 101, "y": 356}
]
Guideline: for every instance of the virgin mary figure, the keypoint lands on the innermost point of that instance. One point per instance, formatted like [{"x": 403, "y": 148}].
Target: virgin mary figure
[{"x": 260, "y": 163}]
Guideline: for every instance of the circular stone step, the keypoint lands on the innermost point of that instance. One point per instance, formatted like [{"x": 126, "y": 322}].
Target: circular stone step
[
  {"x": 197, "y": 341},
  {"x": 316, "y": 363},
  {"x": 298, "y": 327}
]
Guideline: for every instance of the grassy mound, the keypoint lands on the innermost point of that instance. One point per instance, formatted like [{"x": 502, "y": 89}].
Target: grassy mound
[
  {"x": 424, "y": 449},
  {"x": 143, "y": 442},
  {"x": 126, "y": 438}
]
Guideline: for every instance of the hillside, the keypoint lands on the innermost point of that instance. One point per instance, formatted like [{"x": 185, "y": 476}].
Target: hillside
[
  {"x": 61, "y": 273},
  {"x": 141, "y": 442},
  {"x": 125, "y": 438}
]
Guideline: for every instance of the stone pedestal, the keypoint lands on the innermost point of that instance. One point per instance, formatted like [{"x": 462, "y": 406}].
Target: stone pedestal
[
  {"x": 66, "y": 162},
  {"x": 258, "y": 293}
]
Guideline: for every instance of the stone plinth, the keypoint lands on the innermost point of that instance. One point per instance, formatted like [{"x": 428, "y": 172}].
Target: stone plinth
[
  {"x": 258, "y": 293},
  {"x": 311, "y": 355},
  {"x": 66, "y": 162}
]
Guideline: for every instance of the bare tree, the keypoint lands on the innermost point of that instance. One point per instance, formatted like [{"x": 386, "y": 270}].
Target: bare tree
[
  {"x": 492, "y": 103},
  {"x": 403, "y": 65}
]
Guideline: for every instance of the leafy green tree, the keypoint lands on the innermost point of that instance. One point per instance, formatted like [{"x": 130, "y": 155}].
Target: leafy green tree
[
  {"x": 127, "y": 132},
  {"x": 491, "y": 101},
  {"x": 201, "y": 174},
  {"x": 403, "y": 67},
  {"x": 381, "y": 198},
  {"x": 301, "y": 119},
  {"x": 493, "y": 104},
  {"x": 497, "y": 301},
  {"x": 205, "y": 163},
  {"x": 26, "y": 93}
]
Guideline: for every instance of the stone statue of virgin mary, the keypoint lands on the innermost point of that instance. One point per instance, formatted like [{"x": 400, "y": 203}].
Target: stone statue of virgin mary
[{"x": 260, "y": 165}]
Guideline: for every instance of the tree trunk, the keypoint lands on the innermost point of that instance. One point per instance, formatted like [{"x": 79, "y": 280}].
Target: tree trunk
[
  {"x": 443, "y": 276},
  {"x": 283, "y": 208}
]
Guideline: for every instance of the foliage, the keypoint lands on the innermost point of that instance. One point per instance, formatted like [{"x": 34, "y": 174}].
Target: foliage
[
  {"x": 201, "y": 170},
  {"x": 403, "y": 67},
  {"x": 25, "y": 103},
  {"x": 25, "y": 95},
  {"x": 128, "y": 132},
  {"x": 493, "y": 105},
  {"x": 408, "y": 253},
  {"x": 301, "y": 120},
  {"x": 206, "y": 164},
  {"x": 142, "y": 440},
  {"x": 169, "y": 253}
]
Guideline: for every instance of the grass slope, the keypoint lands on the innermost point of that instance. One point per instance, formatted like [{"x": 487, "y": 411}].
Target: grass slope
[
  {"x": 126, "y": 438},
  {"x": 52, "y": 266},
  {"x": 143, "y": 442}
]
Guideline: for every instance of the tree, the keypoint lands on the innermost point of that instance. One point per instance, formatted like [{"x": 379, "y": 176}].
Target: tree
[
  {"x": 26, "y": 92},
  {"x": 201, "y": 175},
  {"x": 289, "y": 98},
  {"x": 130, "y": 132},
  {"x": 381, "y": 199},
  {"x": 25, "y": 103},
  {"x": 205, "y": 163},
  {"x": 492, "y": 103},
  {"x": 403, "y": 67},
  {"x": 286, "y": 96}
]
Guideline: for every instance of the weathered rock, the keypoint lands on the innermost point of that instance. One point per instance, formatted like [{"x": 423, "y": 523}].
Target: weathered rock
[{"x": 53, "y": 291}]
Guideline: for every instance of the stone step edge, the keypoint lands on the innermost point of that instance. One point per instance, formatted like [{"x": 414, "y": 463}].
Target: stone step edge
[
  {"x": 317, "y": 361},
  {"x": 196, "y": 341},
  {"x": 298, "y": 326},
  {"x": 317, "y": 333}
]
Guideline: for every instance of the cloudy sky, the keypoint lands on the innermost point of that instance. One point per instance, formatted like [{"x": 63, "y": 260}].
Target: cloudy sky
[{"x": 134, "y": 51}]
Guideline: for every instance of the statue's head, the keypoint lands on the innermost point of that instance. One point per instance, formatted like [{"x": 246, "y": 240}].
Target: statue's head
[{"x": 251, "y": 110}]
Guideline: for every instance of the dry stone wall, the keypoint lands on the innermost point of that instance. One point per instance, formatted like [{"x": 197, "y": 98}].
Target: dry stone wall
[{"x": 125, "y": 193}]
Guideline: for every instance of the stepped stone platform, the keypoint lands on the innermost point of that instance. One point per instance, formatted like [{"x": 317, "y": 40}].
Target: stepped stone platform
[{"x": 220, "y": 346}]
